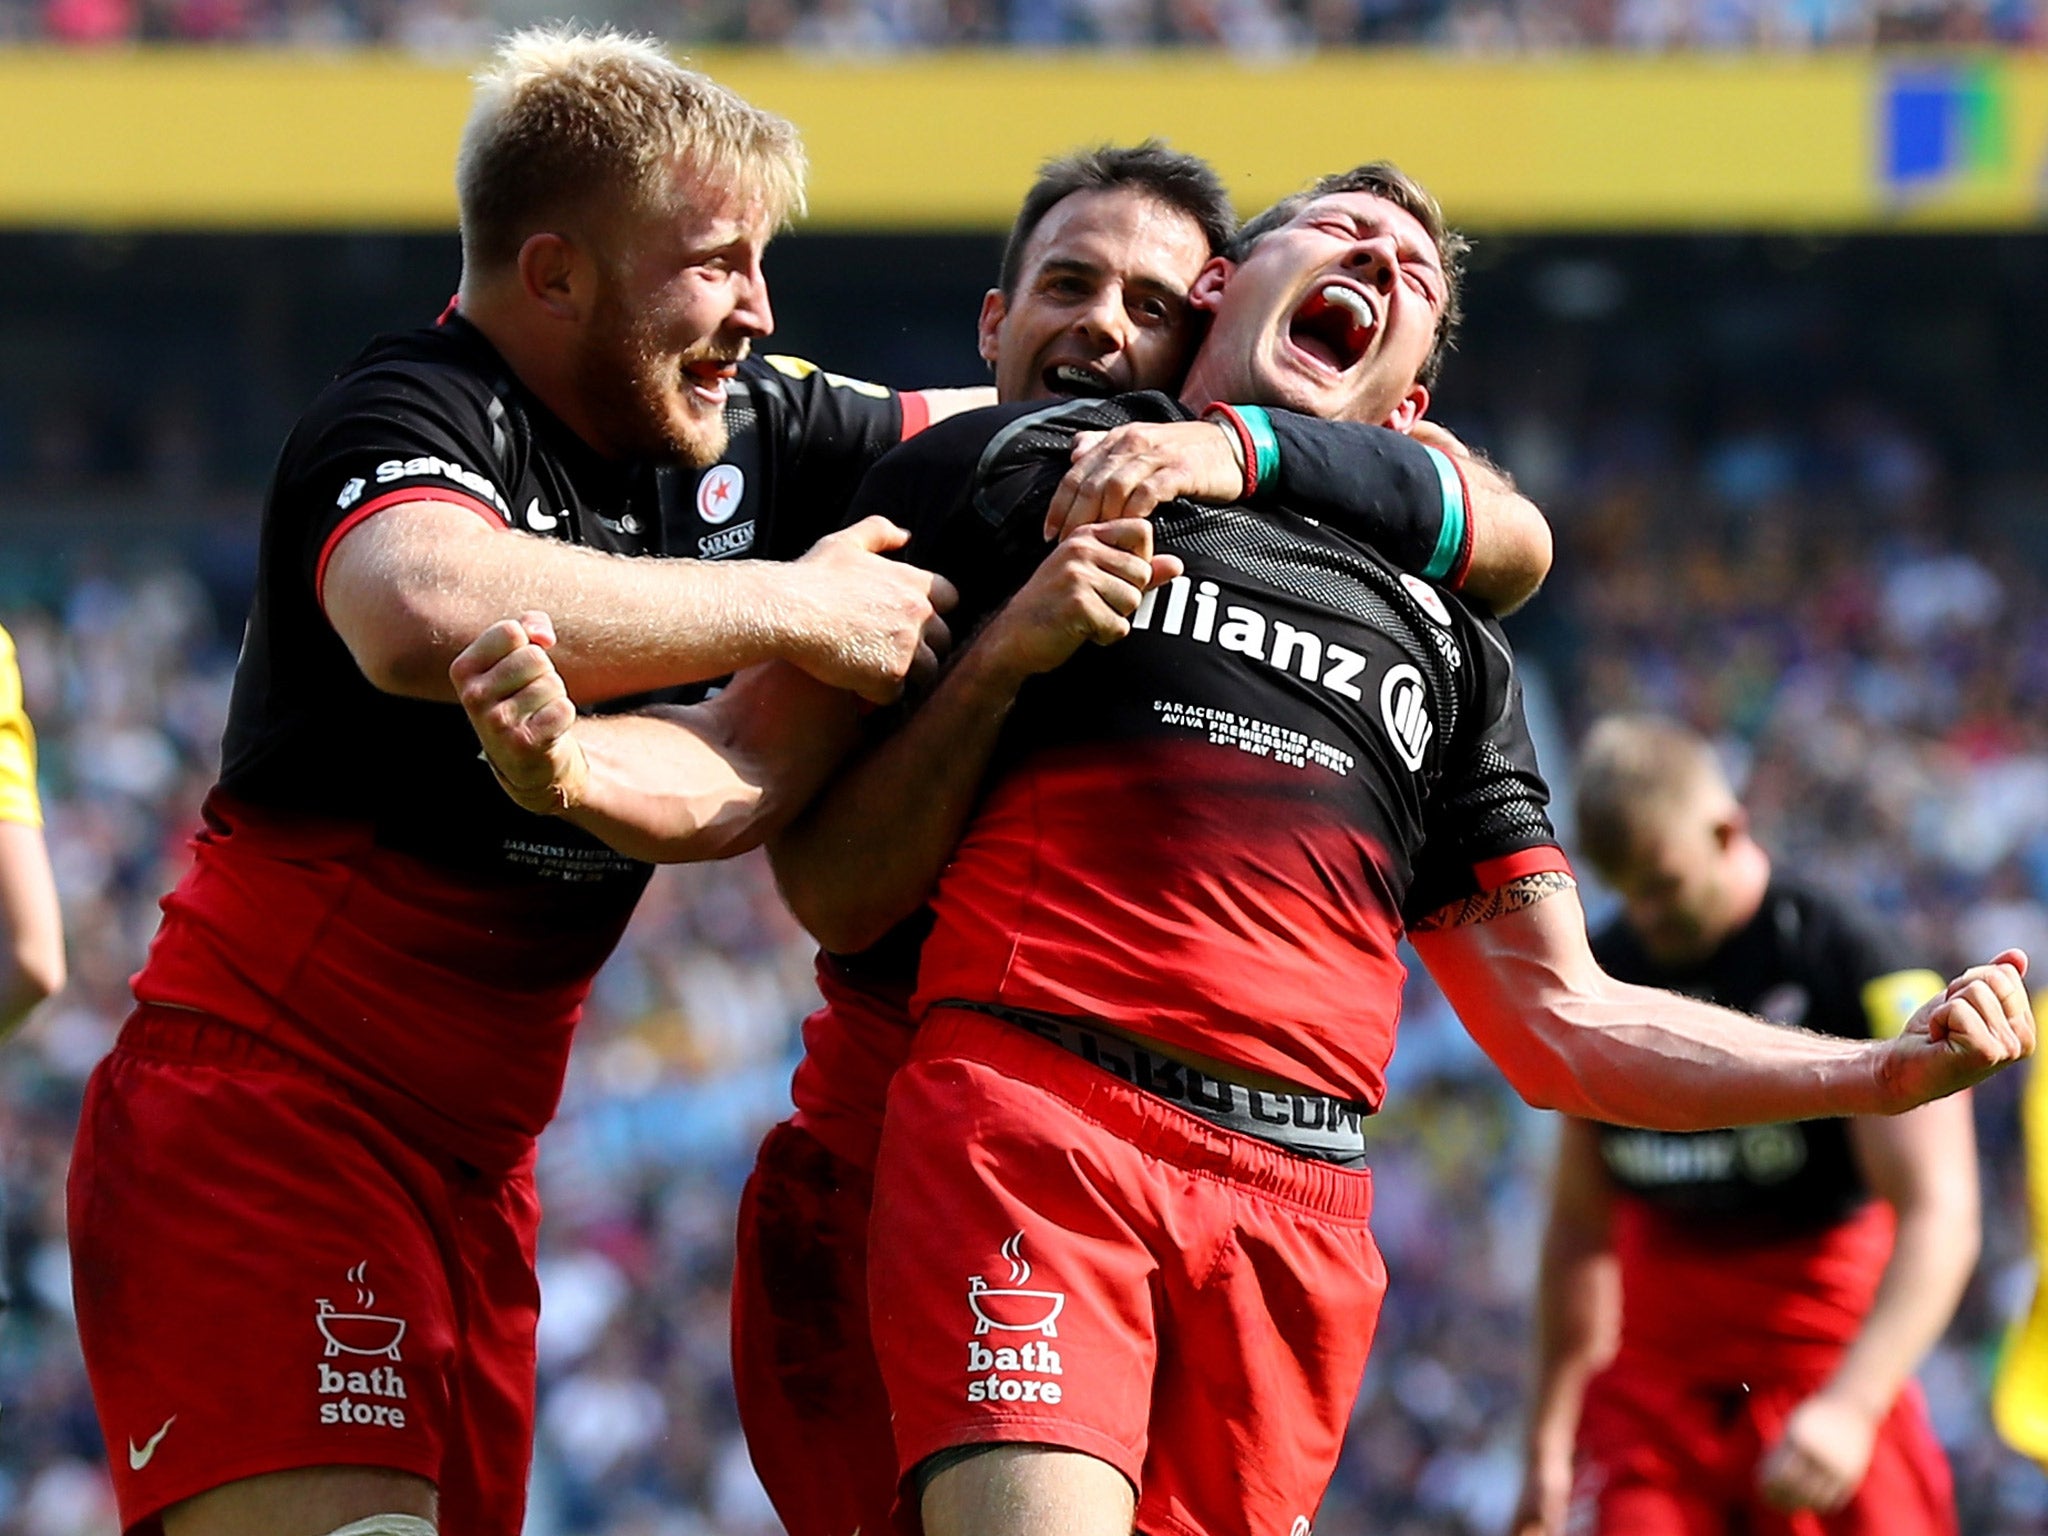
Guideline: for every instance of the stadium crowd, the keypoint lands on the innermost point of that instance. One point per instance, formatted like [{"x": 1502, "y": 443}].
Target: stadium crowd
[
  {"x": 460, "y": 29},
  {"x": 1879, "y": 685}
]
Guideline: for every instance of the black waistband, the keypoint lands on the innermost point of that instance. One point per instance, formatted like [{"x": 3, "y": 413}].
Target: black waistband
[{"x": 1316, "y": 1125}]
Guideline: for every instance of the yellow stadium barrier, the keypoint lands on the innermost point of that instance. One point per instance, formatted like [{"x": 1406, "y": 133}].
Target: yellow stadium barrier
[{"x": 222, "y": 139}]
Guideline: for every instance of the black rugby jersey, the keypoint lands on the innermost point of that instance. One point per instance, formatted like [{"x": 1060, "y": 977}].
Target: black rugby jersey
[
  {"x": 1805, "y": 960},
  {"x": 437, "y": 415},
  {"x": 363, "y": 892},
  {"x": 1212, "y": 832}
]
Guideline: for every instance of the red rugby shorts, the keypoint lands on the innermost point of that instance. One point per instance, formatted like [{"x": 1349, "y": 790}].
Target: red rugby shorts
[
  {"x": 1060, "y": 1258},
  {"x": 810, "y": 1394},
  {"x": 1660, "y": 1455},
  {"x": 268, "y": 1278}
]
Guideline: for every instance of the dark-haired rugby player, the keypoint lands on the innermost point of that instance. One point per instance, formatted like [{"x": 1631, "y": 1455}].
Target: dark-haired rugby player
[{"x": 1120, "y": 1266}]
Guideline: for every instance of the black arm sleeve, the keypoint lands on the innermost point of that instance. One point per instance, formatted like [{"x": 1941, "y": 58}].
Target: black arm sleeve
[
  {"x": 986, "y": 548},
  {"x": 1488, "y": 820},
  {"x": 1375, "y": 484}
]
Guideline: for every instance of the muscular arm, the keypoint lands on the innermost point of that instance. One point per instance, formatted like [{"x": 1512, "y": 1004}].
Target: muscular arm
[
  {"x": 407, "y": 589},
  {"x": 668, "y": 785},
  {"x": 1925, "y": 1164},
  {"x": 1516, "y": 966},
  {"x": 865, "y": 855},
  {"x": 1369, "y": 481},
  {"x": 31, "y": 929},
  {"x": 1578, "y": 1323},
  {"x": 941, "y": 403}
]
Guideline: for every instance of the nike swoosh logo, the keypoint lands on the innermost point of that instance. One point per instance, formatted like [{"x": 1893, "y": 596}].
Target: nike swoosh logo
[{"x": 137, "y": 1460}]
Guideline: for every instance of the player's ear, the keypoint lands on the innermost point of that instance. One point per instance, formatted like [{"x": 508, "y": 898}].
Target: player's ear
[
  {"x": 1206, "y": 293},
  {"x": 1731, "y": 828},
  {"x": 556, "y": 274},
  {"x": 993, "y": 307},
  {"x": 1409, "y": 409}
]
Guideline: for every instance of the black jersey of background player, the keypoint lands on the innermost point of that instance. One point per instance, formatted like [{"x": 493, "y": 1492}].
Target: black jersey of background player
[
  {"x": 1802, "y": 960},
  {"x": 1221, "y": 820},
  {"x": 437, "y": 415}
]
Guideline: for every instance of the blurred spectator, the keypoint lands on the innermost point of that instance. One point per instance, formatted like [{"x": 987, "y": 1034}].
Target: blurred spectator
[{"x": 456, "y": 29}]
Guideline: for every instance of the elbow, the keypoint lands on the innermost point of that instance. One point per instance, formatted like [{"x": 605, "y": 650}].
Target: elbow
[
  {"x": 1533, "y": 548},
  {"x": 1555, "y": 1054},
  {"x": 37, "y": 977},
  {"x": 841, "y": 926},
  {"x": 45, "y": 979},
  {"x": 39, "y": 970},
  {"x": 405, "y": 646},
  {"x": 1531, "y": 1056}
]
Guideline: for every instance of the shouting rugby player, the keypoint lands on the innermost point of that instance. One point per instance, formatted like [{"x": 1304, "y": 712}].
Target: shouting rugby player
[
  {"x": 1121, "y": 1270},
  {"x": 1092, "y": 299}
]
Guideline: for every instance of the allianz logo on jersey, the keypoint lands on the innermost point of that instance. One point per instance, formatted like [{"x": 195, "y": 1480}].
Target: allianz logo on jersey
[
  {"x": 1762, "y": 1154},
  {"x": 1192, "y": 610}
]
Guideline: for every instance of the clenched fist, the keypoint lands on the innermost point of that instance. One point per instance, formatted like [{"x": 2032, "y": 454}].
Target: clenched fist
[
  {"x": 522, "y": 713},
  {"x": 1084, "y": 591},
  {"x": 1982, "y": 1021}
]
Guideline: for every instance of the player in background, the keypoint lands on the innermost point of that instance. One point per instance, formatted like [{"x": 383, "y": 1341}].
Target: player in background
[
  {"x": 1121, "y": 1270},
  {"x": 31, "y": 927},
  {"x": 1728, "y": 1322},
  {"x": 302, "y": 1211}
]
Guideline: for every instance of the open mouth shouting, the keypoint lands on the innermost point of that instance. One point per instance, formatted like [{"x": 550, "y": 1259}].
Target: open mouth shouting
[
  {"x": 1088, "y": 381},
  {"x": 1335, "y": 325},
  {"x": 706, "y": 379}
]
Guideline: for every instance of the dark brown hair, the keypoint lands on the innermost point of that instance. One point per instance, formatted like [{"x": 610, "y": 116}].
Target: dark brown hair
[
  {"x": 1186, "y": 182},
  {"x": 1384, "y": 179}
]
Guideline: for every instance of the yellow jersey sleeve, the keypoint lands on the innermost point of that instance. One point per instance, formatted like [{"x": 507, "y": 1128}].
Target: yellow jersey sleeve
[
  {"x": 2019, "y": 1395},
  {"x": 1890, "y": 1001},
  {"x": 18, "y": 800}
]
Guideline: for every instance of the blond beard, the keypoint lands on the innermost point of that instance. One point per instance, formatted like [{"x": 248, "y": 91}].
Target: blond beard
[{"x": 640, "y": 394}]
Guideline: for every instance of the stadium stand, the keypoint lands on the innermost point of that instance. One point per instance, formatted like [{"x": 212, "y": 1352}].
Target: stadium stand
[{"x": 457, "y": 28}]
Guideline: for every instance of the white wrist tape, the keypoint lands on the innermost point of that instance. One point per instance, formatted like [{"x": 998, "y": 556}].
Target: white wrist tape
[{"x": 386, "y": 1525}]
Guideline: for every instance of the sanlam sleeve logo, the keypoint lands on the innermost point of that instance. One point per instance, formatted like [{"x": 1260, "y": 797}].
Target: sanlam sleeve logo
[{"x": 430, "y": 467}]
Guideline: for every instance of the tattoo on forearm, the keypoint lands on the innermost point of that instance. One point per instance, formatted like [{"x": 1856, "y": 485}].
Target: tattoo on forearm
[{"x": 1498, "y": 902}]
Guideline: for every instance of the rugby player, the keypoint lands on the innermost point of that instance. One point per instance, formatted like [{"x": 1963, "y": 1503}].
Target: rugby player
[
  {"x": 1091, "y": 299},
  {"x": 302, "y": 1213},
  {"x": 31, "y": 926},
  {"x": 1121, "y": 1270},
  {"x": 1728, "y": 1322}
]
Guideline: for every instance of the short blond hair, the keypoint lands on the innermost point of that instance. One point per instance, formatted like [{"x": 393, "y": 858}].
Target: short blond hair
[
  {"x": 577, "y": 127},
  {"x": 1636, "y": 773}
]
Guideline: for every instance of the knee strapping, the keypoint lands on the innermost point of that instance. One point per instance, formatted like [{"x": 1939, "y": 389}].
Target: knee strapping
[{"x": 386, "y": 1525}]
